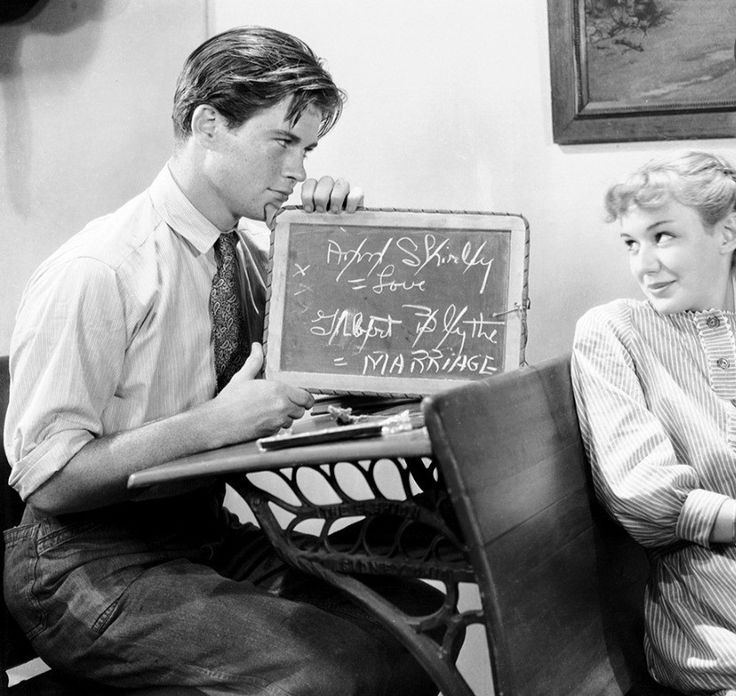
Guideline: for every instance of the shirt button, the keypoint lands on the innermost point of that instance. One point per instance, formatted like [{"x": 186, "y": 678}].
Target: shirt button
[
  {"x": 723, "y": 363},
  {"x": 713, "y": 321}
]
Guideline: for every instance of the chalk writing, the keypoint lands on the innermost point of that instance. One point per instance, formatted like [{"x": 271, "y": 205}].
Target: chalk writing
[
  {"x": 426, "y": 362},
  {"x": 397, "y": 301},
  {"x": 348, "y": 324},
  {"x": 369, "y": 260}
]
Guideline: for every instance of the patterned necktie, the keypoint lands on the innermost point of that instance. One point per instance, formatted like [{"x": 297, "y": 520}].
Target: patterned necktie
[{"x": 229, "y": 331}]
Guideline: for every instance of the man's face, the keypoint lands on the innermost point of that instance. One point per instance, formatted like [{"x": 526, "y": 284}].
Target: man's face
[{"x": 256, "y": 165}]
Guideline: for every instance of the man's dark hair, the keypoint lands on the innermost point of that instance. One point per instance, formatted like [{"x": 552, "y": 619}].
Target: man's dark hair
[{"x": 246, "y": 69}]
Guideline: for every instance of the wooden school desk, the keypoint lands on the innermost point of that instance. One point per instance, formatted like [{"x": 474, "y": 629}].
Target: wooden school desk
[
  {"x": 325, "y": 486},
  {"x": 561, "y": 586}
]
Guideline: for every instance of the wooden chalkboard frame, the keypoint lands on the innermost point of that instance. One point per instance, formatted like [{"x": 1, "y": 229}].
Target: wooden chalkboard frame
[{"x": 514, "y": 312}]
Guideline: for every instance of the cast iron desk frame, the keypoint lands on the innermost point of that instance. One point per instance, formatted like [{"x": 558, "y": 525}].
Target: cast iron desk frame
[{"x": 410, "y": 454}]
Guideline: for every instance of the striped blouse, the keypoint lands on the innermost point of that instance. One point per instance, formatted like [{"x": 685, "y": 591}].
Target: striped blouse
[
  {"x": 113, "y": 330},
  {"x": 655, "y": 396}
]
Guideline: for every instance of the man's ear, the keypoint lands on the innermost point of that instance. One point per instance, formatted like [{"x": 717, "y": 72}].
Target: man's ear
[{"x": 205, "y": 122}]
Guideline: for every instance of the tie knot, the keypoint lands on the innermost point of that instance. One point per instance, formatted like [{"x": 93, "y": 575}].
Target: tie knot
[
  {"x": 225, "y": 247},
  {"x": 227, "y": 238}
]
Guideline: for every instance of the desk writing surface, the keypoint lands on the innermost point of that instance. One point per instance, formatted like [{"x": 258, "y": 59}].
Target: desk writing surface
[{"x": 246, "y": 457}]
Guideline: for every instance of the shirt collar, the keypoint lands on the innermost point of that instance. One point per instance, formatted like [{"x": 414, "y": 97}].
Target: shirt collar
[{"x": 180, "y": 214}]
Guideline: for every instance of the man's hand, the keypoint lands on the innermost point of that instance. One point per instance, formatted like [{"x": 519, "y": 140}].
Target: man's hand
[
  {"x": 330, "y": 195},
  {"x": 245, "y": 409},
  {"x": 250, "y": 407}
]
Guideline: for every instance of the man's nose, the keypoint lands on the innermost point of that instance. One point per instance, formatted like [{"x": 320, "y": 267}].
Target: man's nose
[{"x": 294, "y": 168}]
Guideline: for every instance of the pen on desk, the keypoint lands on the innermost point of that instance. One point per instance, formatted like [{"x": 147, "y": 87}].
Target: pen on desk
[
  {"x": 385, "y": 426},
  {"x": 315, "y": 437}
]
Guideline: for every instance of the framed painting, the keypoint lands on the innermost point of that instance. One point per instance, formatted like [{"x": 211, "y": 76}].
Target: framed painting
[{"x": 626, "y": 70}]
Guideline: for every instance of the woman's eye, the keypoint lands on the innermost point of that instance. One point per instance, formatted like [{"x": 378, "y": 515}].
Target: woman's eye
[
  {"x": 630, "y": 244},
  {"x": 663, "y": 237}
]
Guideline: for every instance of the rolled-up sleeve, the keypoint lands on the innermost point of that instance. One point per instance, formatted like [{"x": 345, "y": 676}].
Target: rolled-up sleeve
[
  {"x": 66, "y": 361},
  {"x": 639, "y": 473}
]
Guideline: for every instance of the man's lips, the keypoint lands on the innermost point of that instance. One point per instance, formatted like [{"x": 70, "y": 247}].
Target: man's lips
[{"x": 281, "y": 194}]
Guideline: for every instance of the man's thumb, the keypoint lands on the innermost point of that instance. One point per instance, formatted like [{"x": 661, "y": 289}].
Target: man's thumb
[{"x": 253, "y": 364}]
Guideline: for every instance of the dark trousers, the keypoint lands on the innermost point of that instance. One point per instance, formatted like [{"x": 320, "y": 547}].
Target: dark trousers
[{"x": 178, "y": 592}]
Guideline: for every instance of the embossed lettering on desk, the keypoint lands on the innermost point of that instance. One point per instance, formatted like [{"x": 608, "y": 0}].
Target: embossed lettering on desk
[
  {"x": 398, "y": 507},
  {"x": 352, "y": 564}
]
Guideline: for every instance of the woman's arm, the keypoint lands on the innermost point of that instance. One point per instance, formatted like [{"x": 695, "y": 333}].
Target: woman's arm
[{"x": 638, "y": 476}]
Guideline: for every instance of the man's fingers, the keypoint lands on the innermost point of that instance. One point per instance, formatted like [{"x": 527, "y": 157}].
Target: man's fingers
[
  {"x": 322, "y": 193},
  {"x": 307, "y": 194},
  {"x": 330, "y": 195},
  {"x": 339, "y": 196},
  {"x": 354, "y": 200},
  {"x": 301, "y": 398}
]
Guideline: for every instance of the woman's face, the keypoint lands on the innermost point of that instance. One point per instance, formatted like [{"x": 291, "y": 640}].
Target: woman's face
[{"x": 679, "y": 264}]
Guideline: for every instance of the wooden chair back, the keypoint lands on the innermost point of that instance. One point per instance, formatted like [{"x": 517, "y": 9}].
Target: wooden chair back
[{"x": 561, "y": 585}]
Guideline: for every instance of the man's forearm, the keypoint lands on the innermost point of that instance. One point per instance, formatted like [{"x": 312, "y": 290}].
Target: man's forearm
[{"x": 97, "y": 475}]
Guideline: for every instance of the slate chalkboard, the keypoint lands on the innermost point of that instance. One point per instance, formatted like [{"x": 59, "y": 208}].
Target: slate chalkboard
[{"x": 395, "y": 302}]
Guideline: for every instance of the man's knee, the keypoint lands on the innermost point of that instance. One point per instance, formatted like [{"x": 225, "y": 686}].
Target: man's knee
[
  {"x": 363, "y": 667},
  {"x": 359, "y": 668}
]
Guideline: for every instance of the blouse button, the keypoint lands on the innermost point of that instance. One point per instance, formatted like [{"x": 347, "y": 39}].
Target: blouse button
[
  {"x": 723, "y": 363},
  {"x": 712, "y": 321}
]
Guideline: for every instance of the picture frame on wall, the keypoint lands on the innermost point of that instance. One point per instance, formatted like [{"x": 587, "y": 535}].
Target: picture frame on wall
[{"x": 633, "y": 70}]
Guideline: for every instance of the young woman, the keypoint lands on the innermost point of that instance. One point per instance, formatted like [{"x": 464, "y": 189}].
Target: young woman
[{"x": 655, "y": 387}]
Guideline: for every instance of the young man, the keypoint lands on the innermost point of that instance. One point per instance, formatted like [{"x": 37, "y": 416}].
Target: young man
[{"x": 138, "y": 342}]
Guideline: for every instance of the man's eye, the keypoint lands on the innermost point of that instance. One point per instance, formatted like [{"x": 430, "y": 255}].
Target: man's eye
[{"x": 283, "y": 142}]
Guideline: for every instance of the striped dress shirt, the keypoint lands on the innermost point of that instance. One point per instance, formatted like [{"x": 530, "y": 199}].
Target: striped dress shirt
[
  {"x": 114, "y": 331},
  {"x": 655, "y": 396}
]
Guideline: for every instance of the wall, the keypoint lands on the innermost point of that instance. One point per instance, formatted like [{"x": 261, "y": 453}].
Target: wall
[
  {"x": 449, "y": 107},
  {"x": 85, "y": 103}
]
